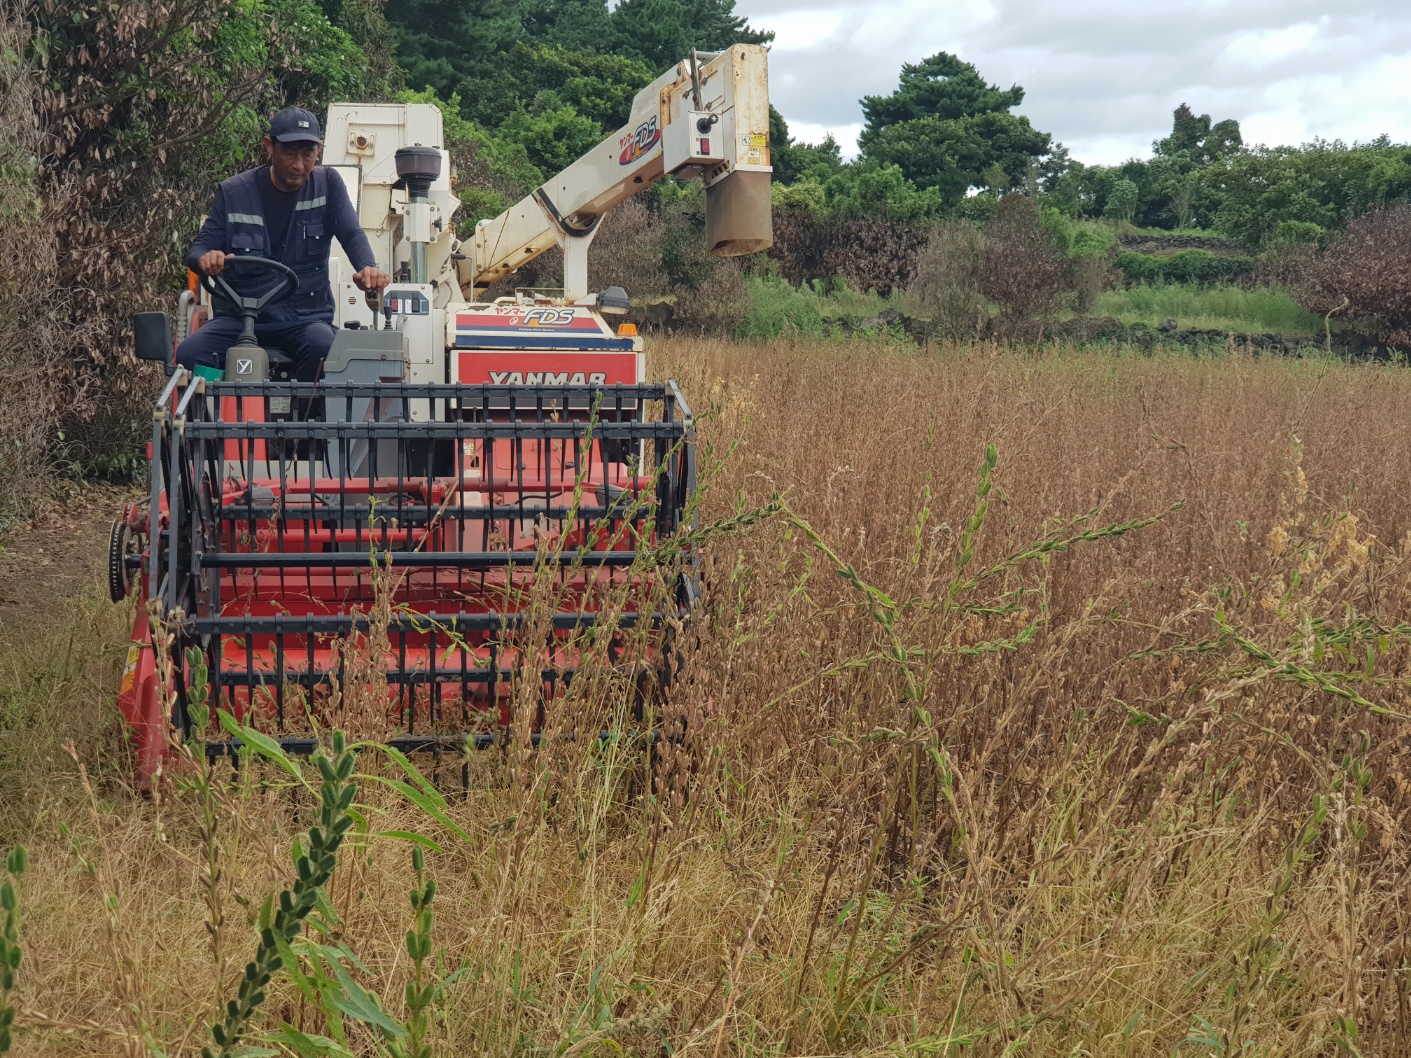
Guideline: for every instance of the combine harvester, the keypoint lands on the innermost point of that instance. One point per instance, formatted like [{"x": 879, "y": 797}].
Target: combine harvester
[{"x": 469, "y": 466}]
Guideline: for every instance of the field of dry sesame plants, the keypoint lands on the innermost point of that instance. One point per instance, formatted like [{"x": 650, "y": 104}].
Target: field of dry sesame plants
[{"x": 1042, "y": 704}]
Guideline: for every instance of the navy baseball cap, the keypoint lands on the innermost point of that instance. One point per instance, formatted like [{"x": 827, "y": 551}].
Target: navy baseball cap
[{"x": 295, "y": 125}]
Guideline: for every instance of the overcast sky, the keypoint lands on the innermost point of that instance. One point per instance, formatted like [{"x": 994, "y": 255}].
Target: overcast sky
[{"x": 1104, "y": 75}]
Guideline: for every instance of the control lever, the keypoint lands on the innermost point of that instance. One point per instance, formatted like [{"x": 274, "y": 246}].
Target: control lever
[{"x": 377, "y": 303}]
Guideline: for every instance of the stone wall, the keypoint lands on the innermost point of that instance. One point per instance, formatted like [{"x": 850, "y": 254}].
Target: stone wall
[{"x": 1174, "y": 243}]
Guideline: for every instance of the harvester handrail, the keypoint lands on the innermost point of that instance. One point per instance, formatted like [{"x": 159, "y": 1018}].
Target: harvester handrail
[
  {"x": 237, "y": 625},
  {"x": 297, "y": 429},
  {"x": 179, "y": 376},
  {"x": 194, "y": 390}
]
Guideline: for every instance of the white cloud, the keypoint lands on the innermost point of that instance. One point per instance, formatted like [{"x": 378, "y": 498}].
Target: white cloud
[
  {"x": 802, "y": 30},
  {"x": 846, "y": 135},
  {"x": 1265, "y": 46},
  {"x": 1104, "y": 75}
]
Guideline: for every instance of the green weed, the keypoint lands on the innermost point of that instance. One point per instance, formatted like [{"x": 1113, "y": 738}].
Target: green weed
[{"x": 1258, "y": 310}]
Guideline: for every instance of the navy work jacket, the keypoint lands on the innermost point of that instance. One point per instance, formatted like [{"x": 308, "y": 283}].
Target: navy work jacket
[{"x": 322, "y": 212}]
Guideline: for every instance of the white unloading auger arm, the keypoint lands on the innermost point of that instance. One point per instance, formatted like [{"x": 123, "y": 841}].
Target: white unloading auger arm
[{"x": 707, "y": 117}]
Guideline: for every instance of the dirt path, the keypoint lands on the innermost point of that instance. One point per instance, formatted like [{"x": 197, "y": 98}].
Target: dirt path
[{"x": 61, "y": 554}]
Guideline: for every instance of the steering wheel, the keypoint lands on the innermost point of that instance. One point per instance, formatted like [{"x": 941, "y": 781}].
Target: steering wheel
[{"x": 249, "y": 308}]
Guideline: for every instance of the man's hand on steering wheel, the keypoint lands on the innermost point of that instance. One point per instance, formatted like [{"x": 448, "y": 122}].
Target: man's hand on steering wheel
[
  {"x": 370, "y": 278},
  {"x": 212, "y": 263},
  {"x": 286, "y": 281}
]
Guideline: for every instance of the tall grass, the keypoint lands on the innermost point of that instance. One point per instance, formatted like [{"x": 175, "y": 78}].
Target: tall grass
[
  {"x": 1243, "y": 310},
  {"x": 1090, "y": 743},
  {"x": 780, "y": 309}
]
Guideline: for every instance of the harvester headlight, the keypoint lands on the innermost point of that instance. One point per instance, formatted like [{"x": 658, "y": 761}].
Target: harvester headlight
[{"x": 614, "y": 302}]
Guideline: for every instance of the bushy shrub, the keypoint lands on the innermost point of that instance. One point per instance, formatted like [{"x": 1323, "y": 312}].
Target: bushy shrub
[
  {"x": 1187, "y": 266},
  {"x": 1298, "y": 231},
  {"x": 1021, "y": 271},
  {"x": 976, "y": 208},
  {"x": 36, "y": 319},
  {"x": 780, "y": 308},
  {"x": 626, "y": 251},
  {"x": 945, "y": 287},
  {"x": 717, "y": 304},
  {"x": 1364, "y": 274},
  {"x": 804, "y": 195},
  {"x": 1077, "y": 238},
  {"x": 870, "y": 253},
  {"x": 1089, "y": 275}
]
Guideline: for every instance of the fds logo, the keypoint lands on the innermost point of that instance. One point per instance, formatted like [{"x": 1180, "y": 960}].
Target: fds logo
[
  {"x": 642, "y": 139},
  {"x": 548, "y": 318}
]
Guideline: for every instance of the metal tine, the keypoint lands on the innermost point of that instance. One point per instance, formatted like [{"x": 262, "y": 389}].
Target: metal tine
[
  {"x": 344, "y": 447},
  {"x": 406, "y": 690},
  {"x": 250, "y": 676},
  {"x": 433, "y": 687},
  {"x": 406, "y": 693},
  {"x": 345, "y": 455},
  {"x": 403, "y": 461},
  {"x": 280, "y": 503},
  {"x": 279, "y": 679},
  {"x": 465, "y": 678},
  {"x": 249, "y": 452},
  {"x": 517, "y": 468},
  {"x": 546, "y": 452},
  {"x": 632, "y": 460},
  {"x": 429, "y": 542},
  {"x": 458, "y": 482},
  {"x": 310, "y": 643},
  {"x": 174, "y": 497},
  {"x": 225, "y": 540}
]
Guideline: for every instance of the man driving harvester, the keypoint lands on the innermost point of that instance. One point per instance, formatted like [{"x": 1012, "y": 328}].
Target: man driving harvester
[{"x": 286, "y": 211}]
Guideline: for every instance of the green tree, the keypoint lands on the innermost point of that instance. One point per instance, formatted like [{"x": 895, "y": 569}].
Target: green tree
[
  {"x": 661, "y": 33},
  {"x": 793, "y": 160},
  {"x": 943, "y": 86},
  {"x": 365, "y": 23},
  {"x": 984, "y": 150},
  {"x": 443, "y": 42},
  {"x": 1121, "y": 201},
  {"x": 553, "y": 137},
  {"x": 1195, "y": 139},
  {"x": 574, "y": 24},
  {"x": 1323, "y": 183},
  {"x": 945, "y": 127},
  {"x": 538, "y": 77},
  {"x": 872, "y": 189},
  {"x": 446, "y": 43}
]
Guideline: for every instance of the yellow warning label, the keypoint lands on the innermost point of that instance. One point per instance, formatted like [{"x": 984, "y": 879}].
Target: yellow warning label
[
  {"x": 472, "y": 459},
  {"x": 129, "y": 674},
  {"x": 759, "y": 139}
]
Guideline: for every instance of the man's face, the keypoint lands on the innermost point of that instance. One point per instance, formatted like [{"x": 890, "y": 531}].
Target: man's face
[{"x": 291, "y": 163}]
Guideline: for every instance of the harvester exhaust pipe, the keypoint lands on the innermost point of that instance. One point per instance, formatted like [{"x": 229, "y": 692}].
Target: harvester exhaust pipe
[
  {"x": 417, "y": 168},
  {"x": 738, "y": 217}
]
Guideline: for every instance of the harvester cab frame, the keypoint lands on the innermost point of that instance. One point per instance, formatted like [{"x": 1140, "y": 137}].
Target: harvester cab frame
[{"x": 475, "y": 467}]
